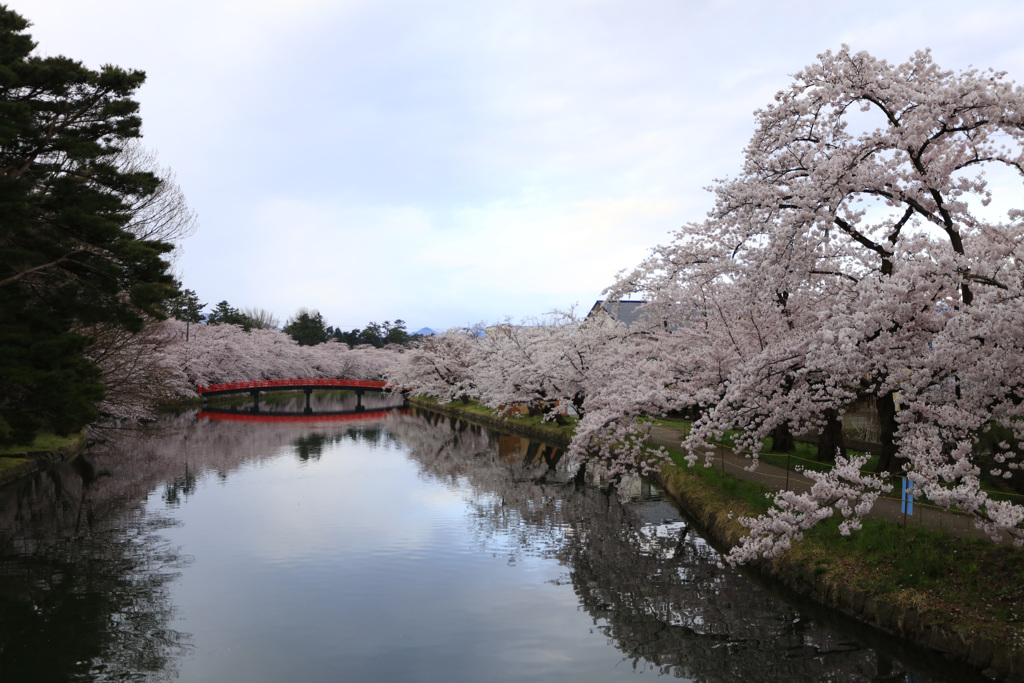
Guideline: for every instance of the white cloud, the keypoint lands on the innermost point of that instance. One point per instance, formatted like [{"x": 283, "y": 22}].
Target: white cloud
[{"x": 460, "y": 161}]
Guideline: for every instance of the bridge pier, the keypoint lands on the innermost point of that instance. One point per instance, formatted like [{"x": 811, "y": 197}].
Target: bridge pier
[
  {"x": 308, "y": 410},
  {"x": 359, "y": 399},
  {"x": 255, "y": 400}
]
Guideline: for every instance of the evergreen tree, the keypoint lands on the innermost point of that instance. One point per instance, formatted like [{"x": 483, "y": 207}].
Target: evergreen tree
[
  {"x": 375, "y": 334},
  {"x": 396, "y": 334},
  {"x": 187, "y": 308},
  {"x": 67, "y": 261},
  {"x": 226, "y": 314},
  {"x": 307, "y": 328}
]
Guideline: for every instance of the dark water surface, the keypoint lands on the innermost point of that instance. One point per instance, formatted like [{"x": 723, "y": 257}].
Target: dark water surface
[{"x": 392, "y": 546}]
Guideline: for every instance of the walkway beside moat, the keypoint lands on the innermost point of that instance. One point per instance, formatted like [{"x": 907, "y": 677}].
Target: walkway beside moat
[{"x": 775, "y": 478}]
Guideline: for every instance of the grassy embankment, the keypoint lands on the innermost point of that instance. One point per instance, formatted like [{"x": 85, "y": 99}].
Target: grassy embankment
[
  {"x": 805, "y": 457},
  {"x": 532, "y": 422},
  {"x": 970, "y": 589},
  {"x": 16, "y": 456}
]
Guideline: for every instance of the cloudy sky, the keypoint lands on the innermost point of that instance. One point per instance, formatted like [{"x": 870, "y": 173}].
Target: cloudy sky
[{"x": 461, "y": 161}]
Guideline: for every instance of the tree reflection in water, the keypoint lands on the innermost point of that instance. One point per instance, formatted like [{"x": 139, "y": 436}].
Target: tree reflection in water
[
  {"x": 648, "y": 580},
  {"x": 84, "y": 570},
  {"x": 83, "y": 584},
  {"x": 85, "y": 574}
]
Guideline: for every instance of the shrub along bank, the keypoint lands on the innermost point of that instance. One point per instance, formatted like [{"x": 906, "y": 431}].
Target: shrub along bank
[{"x": 963, "y": 598}]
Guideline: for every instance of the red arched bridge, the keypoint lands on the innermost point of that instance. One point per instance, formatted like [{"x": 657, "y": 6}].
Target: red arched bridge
[{"x": 307, "y": 385}]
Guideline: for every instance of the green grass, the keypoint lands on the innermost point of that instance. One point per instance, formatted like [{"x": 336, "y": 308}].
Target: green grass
[
  {"x": 912, "y": 557},
  {"x": 972, "y": 586},
  {"x": 45, "y": 442},
  {"x": 10, "y": 462},
  {"x": 969, "y": 587},
  {"x": 15, "y": 456},
  {"x": 682, "y": 425},
  {"x": 753, "y": 496},
  {"x": 805, "y": 454}
]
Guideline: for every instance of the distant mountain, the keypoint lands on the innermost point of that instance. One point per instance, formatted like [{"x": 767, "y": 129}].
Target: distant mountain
[{"x": 426, "y": 332}]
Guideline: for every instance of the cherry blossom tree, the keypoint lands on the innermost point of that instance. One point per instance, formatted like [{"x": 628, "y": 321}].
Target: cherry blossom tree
[
  {"x": 366, "y": 361},
  {"x": 441, "y": 366},
  {"x": 539, "y": 362},
  {"x": 227, "y": 353},
  {"x": 137, "y": 372},
  {"x": 166, "y": 361},
  {"x": 857, "y": 253},
  {"x": 564, "y": 358},
  {"x": 622, "y": 378}
]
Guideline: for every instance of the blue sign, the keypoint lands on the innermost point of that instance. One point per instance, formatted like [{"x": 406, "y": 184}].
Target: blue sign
[{"x": 907, "y": 503}]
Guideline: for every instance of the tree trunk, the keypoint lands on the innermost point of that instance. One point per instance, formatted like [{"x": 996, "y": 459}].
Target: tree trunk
[
  {"x": 579, "y": 480},
  {"x": 577, "y": 404},
  {"x": 888, "y": 460},
  {"x": 782, "y": 439},
  {"x": 831, "y": 438}
]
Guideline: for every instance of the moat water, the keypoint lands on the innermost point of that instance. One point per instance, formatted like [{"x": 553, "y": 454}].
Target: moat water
[{"x": 385, "y": 545}]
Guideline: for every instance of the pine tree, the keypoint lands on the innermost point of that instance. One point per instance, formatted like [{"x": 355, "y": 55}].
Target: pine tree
[
  {"x": 67, "y": 261},
  {"x": 307, "y": 328}
]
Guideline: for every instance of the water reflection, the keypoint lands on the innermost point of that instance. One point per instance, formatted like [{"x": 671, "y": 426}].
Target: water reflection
[
  {"x": 84, "y": 578},
  {"x": 650, "y": 583},
  {"x": 85, "y": 565},
  {"x": 97, "y": 581}
]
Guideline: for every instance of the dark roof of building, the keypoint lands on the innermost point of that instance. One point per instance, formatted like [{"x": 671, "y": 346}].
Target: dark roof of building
[{"x": 626, "y": 312}]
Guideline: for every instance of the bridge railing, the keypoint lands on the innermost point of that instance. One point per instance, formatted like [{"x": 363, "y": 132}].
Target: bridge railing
[{"x": 287, "y": 383}]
